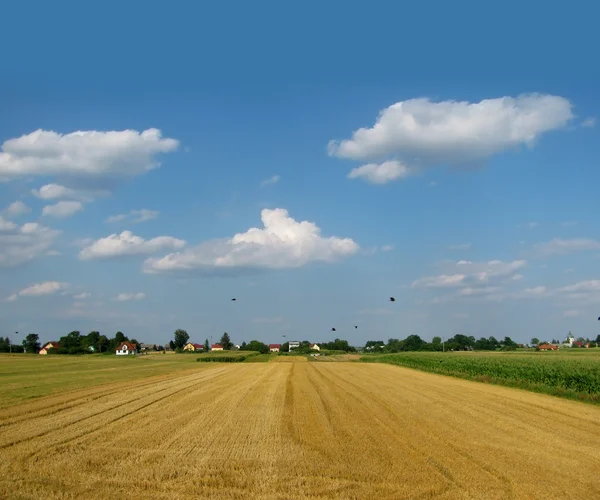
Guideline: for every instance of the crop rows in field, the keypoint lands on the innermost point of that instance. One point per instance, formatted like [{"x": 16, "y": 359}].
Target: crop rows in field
[{"x": 572, "y": 377}]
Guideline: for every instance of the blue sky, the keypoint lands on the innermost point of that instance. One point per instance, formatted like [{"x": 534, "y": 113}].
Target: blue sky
[{"x": 448, "y": 160}]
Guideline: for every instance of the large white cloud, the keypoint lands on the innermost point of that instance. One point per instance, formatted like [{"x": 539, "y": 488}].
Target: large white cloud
[
  {"x": 453, "y": 132},
  {"x": 282, "y": 243},
  {"x": 62, "y": 209},
  {"x": 128, "y": 244},
  {"x": 21, "y": 244},
  {"x": 89, "y": 153},
  {"x": 15, "y": 209},
  {"x": 45, "y": 288}
]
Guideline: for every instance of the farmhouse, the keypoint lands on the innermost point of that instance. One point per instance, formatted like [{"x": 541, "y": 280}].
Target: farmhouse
[
  {"x": 125, "y": 348},
  {"x": 274, "y": 347},
  {"x": 315, "y": 347},
  {"x": 193, "y": 347},
  {"x": 148, "y": 347},
  {"x": 293, "y": 344},
  {"x": 47, "y": 346},
  {"x": 548, "y": 347},
  {"x": 216, "y": 347}
]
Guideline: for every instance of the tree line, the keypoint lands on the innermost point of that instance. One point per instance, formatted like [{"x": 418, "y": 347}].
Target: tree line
[{"x": 456, "y": 343}]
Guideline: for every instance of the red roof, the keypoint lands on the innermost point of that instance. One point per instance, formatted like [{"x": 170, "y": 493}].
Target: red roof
[
  {"x": 129, "y": 345},
  {"x": 47, "y": 345},
  {"x": 271, "y": 346},
  {"x": 217, "y": 346},
  {"x": 548, "y": 346},
  {"x": 198, "y": 346}
]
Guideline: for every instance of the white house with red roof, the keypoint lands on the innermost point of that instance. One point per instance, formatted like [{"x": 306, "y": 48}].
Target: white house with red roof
[
  {"x": 216, "y": 347},
  {"x": 274, "y": 347},
  {"x": 125, "y": 348}
]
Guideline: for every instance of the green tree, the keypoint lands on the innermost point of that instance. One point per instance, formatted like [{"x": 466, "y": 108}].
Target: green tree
[
  {"x": 31, "y": 343},
  {"x": 206, "y": 346},
  {"x": 172, "y": 345},
  {"x": 103, "y": 343},
  {"x": 535, "y": 341},
  {"x": 71, "y": 343},
  {"x": 120, "y": 337},
  {"x": 285, "y": 347},
  {"x": 226, "y": 342},
  {"x": 181, "y": 338},
  {"x": 256, "y": 345}
]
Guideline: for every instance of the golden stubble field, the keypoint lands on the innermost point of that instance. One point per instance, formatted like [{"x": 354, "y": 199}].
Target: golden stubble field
[{"x": 300, "y": 430}]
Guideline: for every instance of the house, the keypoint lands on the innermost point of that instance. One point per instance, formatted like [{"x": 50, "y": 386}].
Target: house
[
  {"x": 193, "y": 347},
  {"x": 147, "y": 347},
  {"x": 577, "y": 344},
  {"x": 125, "y": 348},
  {"x": 293, "y": 344},
  {"x": 314, "y": 347},
  {"x": 548, "y": 347},
  {"x": 47, "y": 346},
  {"x": 569, "y": 340},
  {"x": 274, "y": 347},
  {"x": 216, "y": 347}
]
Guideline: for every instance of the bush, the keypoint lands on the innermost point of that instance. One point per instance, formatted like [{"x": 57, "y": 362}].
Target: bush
[{"x": 225, "y": 359}]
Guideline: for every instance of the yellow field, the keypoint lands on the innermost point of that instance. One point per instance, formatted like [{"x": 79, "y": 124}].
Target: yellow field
[{"x": 299, "y": 430}]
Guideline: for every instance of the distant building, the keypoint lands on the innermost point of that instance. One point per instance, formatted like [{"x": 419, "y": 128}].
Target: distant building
[
  {"x": 569, "y": 340},
  {"x": 314, "y": 347},
  {"x": 125, "y": 348},
  {"x": 193, "y": 347},
  {"x": 47, "y": 346},
  {"x": 293, "y": 344},
  {"x": 147, "y": 347},
  {"x": 548, "y": 347},
  {"x": 216, "y": 347},
  {"x": 274, "y": 347}
]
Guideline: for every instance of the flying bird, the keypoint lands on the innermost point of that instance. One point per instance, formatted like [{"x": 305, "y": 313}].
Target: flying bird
[
  {"x": 355, "y": 326},
  {"x": 392, "y": 299},
  {"x": 234, "y": 298},
  {"x": 333, "y": 329}
]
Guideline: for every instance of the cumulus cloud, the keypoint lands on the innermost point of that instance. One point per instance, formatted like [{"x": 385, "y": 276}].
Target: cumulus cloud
[
  {"x": 45, "y": 288},
  {"x": 15, "y": 209},
  {"x": 21, "y": 244},
  {"x": 282, "y": 243},
  {"x": 134, "y": 216},
  {"x": 53, "y": 192},
  {"x": 559, "y": 246},
  {"x": 89, "y": 153},
  {"x": 380, "y": 173},
  {"x": 589, "y": 122},
  {"x": 128, "y": 244},
  {"x": 125, "y": 297},
  {"x": 62, "y": 209},
  {"x": 270, "y": 181},
  {"x": 453, "y": 131},
  {"x": 441, "y": 281}
]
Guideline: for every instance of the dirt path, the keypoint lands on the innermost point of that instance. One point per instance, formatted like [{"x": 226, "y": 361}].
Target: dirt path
[{"x": 301, "y": 430}]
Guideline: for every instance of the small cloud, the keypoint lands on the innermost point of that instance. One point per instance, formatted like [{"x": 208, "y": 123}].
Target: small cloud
[
  {"x": 15, "y": 209},
  {"x": 134, "y": 216},
  {"x": 559, "y": 246},
  {"x": 382, "y": 173},
  {"x": 270, "y": 181},
  {"x": 62, "y": 209},
  {"x": 124, "y": 297},
  {"x": 571, "y": 313},
  {"x": 589, "y": 122},
  {"x": 45, "y": 288},
  {"x": 127, "y": 244},
  {"x": 53, "y": 253},
  {"x": 82, "y": 296},
  {"x": 568, "y": 270},
  {"x": 516, "y": 277},
  {"x": 387, "y": 248}
]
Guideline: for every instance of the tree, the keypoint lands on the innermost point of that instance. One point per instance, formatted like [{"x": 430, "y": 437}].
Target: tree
[
  {"x": 181, "y": 338},
  {"x": 102, "y": 343},
  {"x": 31, "y": 343},
  {"x": 226, "y": 342},
  {"x": 172, "y": 345},
  {"x": 206, "y": 346},
  {"x": 285, "y": 347},
  {"x": 256, "y": 345},
  {"x": 120, "y": 337},
  {"x": 535, "y": 341},
  {"x": 597, "y": 339}
]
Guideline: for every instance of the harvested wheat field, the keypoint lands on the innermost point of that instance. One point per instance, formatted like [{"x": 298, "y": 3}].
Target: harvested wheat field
[{"x": 300, "y": 430}]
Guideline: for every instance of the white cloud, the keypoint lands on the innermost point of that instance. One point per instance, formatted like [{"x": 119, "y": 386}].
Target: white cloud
[
  {"x": 589, "y": 122},
  {"x": 82, "y": 296},
  {"x": 559, "y": 246},
  {"x": 45, "y": 288},
  {"x": 484, "y": 290},
  {"x": 53, "y": 192},
  {"x": 6, "y": 225},
  {"x": 455, "y": 132},
  {"x": 124, "y": 297},
  {"x": 536, "y": 291},
  {"x": 88, "y": 153},
  {"x": 270, "y": 181},
  {"x": 582, "y": 286},
  {"x": 387, "y": 248},
  {"x": 380, "y": 173},
  {"x": 571, "y": 313},
  {"x": 15, "y": 209},
  {"x": 282, "y": 243},
  {"x": 134, "y": 216},
  {"x": 62, "y": 209},
  {"x": 21, "y": 244},
  {"x": 128, "y": 244}
]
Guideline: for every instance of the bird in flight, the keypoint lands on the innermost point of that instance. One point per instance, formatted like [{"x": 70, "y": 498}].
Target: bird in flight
[
  {"x": 234, "y": 298},
  {"x": 392, "y": 299},
  {"x": 355, "y": 326},
  {"x": 333, "y": 329}
]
